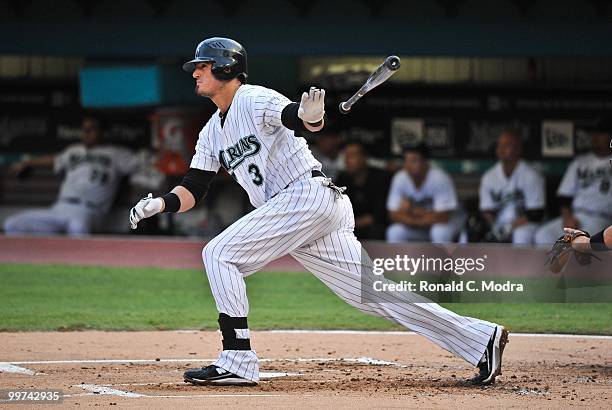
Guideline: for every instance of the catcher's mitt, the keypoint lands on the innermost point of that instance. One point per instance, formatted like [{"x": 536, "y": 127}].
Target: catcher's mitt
[{"x": 562, "y": 250}]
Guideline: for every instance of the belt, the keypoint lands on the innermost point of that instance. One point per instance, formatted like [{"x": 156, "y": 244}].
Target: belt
[
  {"x": 328, "y": 183},
  {"x": 313, "y": 174},
  {"x": 78, "y": 201},
  {"x": 316, "y": 173}
]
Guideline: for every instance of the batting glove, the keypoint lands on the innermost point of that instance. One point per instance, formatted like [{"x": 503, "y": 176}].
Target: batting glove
[
  {"x": 145, "y": 208},
  {"x": 312, "y": 106}
]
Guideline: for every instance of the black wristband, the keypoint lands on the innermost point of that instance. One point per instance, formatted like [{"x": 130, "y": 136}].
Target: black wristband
[
  {"x": 597, "y": 242},
  {"x": 316, "y": 124},
  {"x": 172, "y": 202}
]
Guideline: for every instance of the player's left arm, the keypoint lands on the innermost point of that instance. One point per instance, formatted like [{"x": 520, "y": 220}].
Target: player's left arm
[
  {"x": 427, "y": 217},
  {"x": 276, "y": 110}
]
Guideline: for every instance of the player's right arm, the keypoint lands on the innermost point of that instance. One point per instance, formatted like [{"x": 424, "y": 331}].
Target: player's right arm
[
  {"x": 44, "y": 161},
  {"x": 193, "y": 187}
]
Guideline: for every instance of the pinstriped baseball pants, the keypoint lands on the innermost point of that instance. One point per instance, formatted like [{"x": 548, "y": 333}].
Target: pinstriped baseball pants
[{"x": 315, "y": 225}]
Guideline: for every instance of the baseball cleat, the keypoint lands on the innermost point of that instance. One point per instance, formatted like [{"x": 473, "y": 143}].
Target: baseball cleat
[
  {"x": 214, "y": 375},
  {"x": 490, "y": 365}
]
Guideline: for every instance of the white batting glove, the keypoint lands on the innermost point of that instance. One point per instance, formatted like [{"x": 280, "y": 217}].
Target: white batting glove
[
  {"x": 312, "y": 106},
  {"x": 145, "y": 208}
]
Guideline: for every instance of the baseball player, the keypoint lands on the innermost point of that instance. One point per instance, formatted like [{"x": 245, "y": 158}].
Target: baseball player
[
  {"x": 92, "y": 175},
  {"x": 585, "y": 193},
  {"x": 422, "y": 201},
  {"x": 298, "y": 211},
  {"x": 512, "y": 197}
]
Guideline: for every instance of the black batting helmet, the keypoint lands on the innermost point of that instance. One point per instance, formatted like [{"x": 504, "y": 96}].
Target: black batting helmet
[{"x": 229, "y": 58}]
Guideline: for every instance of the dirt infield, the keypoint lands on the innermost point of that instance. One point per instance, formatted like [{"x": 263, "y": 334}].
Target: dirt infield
[{"x": 343, "y": 369}]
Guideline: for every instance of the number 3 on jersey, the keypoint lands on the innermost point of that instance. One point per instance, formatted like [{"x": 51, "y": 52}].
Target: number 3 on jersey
[{"x": 257, "y": 177}]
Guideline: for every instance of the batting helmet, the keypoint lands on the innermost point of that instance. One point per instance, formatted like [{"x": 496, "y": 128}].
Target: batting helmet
[{"x": 228, "y": 58}]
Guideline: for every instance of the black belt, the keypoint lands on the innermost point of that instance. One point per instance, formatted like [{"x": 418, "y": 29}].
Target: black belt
[{"x": 313, "y": 174}]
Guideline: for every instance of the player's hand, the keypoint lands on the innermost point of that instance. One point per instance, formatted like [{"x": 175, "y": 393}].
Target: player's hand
[
  {"x": 17, "y": 169},
  {"x": 580, "y": 243},
  {"x": 312, "y": 106},
  {"x": 573, "y": 241},
  {"x": 145, "y": 208}
]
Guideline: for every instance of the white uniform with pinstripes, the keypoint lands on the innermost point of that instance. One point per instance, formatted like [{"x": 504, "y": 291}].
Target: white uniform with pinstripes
[{"x": 298, "y": 215}]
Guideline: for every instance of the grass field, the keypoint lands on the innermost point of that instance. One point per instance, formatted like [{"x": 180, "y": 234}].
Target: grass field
[{"x": 35, "y": 297}]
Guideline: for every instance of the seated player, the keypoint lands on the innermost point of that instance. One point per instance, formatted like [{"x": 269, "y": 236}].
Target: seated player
[
  {"x": 92, "y": 172},
  {"x": 512, "y": 197},
  {"x": 367, "y": 188},
  {"x": 585, "y": 193},
  {"x": 422, "y": 202}
]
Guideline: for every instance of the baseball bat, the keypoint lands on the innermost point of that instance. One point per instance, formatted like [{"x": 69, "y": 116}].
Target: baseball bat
[{"x": 379, "y": 76}]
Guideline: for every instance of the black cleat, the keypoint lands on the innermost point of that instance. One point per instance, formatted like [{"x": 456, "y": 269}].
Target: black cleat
[
  {"x": 214, "y": 375},
  {"x": 490, "y": 367}
]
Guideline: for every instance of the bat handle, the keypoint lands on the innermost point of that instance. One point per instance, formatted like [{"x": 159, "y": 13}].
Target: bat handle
[{"x": 342, "y": 109}]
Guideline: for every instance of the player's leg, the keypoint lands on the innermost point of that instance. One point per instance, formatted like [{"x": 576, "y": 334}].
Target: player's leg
[
  {"x": 42, "y": 221},
  {"x": 398, "y": 232},
  {"x": 79, "y": 222},
  {"x": 340, "y": 262},
  {"x": 297, "y": 215},
  {"x": 524, "y": 234},
  {"x": 549, "y": 232}
]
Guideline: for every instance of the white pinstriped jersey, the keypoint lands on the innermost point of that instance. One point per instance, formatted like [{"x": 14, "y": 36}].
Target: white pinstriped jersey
[
  {"x": 588, "y": 179},
  {"x": 93, "y": 174},
  {"x": 308, "y": 220},
  {"x": 254, "y": 146},
  {"x": 510, "y": 196},
  {"x": 437, "y": 192}
]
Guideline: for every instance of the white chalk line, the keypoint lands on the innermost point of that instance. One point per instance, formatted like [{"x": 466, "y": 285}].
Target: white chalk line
[
  {"x": 186, "y": 396},
  {"x": 407, "y": 333},
  {"x": 262, "y": 376},
  {"x": 363, "y": 360},
  {"x": 11, "y": 368},
  {"x": 103, "y": 390}
]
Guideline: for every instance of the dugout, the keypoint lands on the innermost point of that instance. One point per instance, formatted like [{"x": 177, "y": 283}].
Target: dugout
[{"x": 469, "y": 68}]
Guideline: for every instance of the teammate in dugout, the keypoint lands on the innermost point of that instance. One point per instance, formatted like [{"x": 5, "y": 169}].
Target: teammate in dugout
[
  {"x": 512, "y": 195},
  {"x": 422, "y": 201},
  {"x": 93, "y": 171},
  {"x": 585, "y": 192},
  {"x": 299, "y": 211}
]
